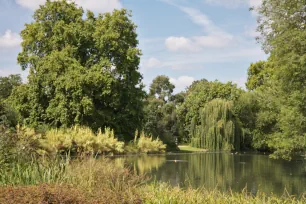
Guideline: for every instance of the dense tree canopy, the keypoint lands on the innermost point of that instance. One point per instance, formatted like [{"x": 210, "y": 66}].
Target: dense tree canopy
[
  {"x": 218, "y": 128},
  {"x": 160, "y": 110},
  {"x": 282, "y": 118},
  {"x": 7, "y": 84},
  {"x": 201, "y": 92},
  {"x": 81, "y": 70},
  {"x": 258, "y": 73},
  {"x": 161, "y": 87}
]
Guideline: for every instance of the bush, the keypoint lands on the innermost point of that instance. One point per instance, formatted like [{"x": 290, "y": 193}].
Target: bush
[
  {"x": 42, "y": 194},
  {"x": 8, "y": 115},
  {"x": 81, "y": 140},
  {"x": 18, "y": 144},
  {"x": 146, "y": 144}
]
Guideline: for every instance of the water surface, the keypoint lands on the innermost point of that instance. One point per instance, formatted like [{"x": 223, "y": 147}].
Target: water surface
[{"x": 223, "y": 171}]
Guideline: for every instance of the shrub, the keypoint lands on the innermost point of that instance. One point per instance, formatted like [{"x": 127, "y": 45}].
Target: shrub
[
  {"x": 18, "y": 144},
  {"x": 145, "y": 144},
  {"x": 82, "y": 140},
  {"x": 43, "y": 194},
  {"x": 107, "y": 142},
  {"x": 8, "y": 115}
]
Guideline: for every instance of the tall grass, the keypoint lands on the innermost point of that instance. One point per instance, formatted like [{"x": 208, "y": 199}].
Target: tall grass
[
  {"x": 34, "y": 172},
  {"x": 82, "y": 140},
  {"x": 164, "y": 193},
  {"x": 145, "y": 144}
]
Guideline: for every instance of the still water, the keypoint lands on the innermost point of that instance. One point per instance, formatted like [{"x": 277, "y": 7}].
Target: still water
[{"x": 223, "y": 171}]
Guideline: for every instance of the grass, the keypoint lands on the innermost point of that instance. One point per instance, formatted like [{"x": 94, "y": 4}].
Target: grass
[
  {"x": 102, "y": 181},
  {"x": 189, "y": 149}
]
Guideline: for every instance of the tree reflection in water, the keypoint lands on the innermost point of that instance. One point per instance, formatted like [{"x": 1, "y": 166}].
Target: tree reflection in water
[{"x": 224, "y": 171}]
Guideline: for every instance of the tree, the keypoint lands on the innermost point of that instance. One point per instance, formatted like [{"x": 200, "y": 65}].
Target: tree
[
  {"x": 258, "y": 73},
  {"x": 218, "y": 128},
  {"x": 7, "y": 84},
  {"x": 161, "y": 87},
  {"x": 8, "y": 115},
  {"x": 81, "y": 70},
  {"x": 283, "y": 102},
  {"x": 200, "y": 93},
  {"x": 246, "y": 109},
  {"x": 161, "y": 118}
]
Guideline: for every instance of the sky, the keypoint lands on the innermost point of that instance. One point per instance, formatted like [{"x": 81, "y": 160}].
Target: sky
[{"x": 185, "y": 40}]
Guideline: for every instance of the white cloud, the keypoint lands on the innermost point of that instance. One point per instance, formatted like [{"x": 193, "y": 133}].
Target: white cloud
[
  {"x": 240, "y": 82},
  {"x": 152, "y": 62},
  {"x": 99, "y": 5},
  {"x": 215, "y": 37},
  {"x": 196, "y": 43},
  {"x": 10, "y": 40},
  {"x": 235, "y": 3},
  {"x": 182, "y": 82},
  {"x": 30, "y": 4},
  {"x": 254, "y": 3},
  {"x": 181, "y": 44},
  {"x": 93, "y": 5}
]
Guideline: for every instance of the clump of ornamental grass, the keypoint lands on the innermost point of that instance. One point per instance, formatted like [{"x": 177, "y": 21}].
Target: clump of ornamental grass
[
  {"x": 149, "y": 145},
  {"x": 145, "y": 144},
  {"x": 82, "y": 140},
  {"x": 107, "y": 142}
]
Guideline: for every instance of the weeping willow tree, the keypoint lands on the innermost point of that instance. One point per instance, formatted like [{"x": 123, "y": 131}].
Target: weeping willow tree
[{"x": 217, "y": 128}]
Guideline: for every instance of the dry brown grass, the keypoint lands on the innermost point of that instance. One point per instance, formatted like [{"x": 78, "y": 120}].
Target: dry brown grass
[{"x": 59, "y": 194}]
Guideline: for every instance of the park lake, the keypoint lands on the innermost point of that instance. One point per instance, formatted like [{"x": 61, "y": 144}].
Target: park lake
[{"x": 223, "y": 171}]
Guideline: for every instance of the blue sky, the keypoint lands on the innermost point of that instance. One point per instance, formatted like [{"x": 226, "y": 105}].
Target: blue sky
[{"x": 185, "y": 40}]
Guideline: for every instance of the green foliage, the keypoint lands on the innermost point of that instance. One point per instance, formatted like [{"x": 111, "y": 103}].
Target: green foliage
[
  {"x": 16, "y": 145},
  {"x": 161, "y": 88},
  {"x": 246, "y": 109},
  {"x": 281, "y": 122},
  {"x": 200, "y": 93},
  {"x": 148, "y": 144},
  {"x": 33, "y": 172},
  {"x": 258, "y": 73},
  {"x": 81, "y": 70},
  {"x": 160, "y": 111},
  {"x": 81, "y": 140},
  {"x": 7, "y": 84},
  {"x": 8, "y": 115},
  {"x": 218, "y": 128},
  {"x": 145, "y": 144},
  {"x": 24, "y": 143}
]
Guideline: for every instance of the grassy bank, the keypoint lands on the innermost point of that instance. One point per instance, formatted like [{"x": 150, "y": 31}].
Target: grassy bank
[
  {"x": 189, "y": 149},
  {"x": 103, "y": 181}
]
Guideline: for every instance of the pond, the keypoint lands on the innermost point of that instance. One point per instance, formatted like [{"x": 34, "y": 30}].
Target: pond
[{"x": 224, "y": 171}]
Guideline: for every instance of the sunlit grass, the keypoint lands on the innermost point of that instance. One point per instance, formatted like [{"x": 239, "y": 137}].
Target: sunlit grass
[{"x": 187, "y": 148}]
